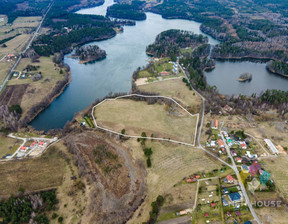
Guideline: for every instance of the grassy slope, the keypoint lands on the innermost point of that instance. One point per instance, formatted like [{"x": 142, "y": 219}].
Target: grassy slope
[
  {"x": 137, "y": 117},
  {"x": 8, "y": 145},
  {"x": 34, "y": 174}
]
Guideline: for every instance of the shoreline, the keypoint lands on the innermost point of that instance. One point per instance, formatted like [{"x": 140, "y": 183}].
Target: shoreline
[
  {"x": 275, "y": 72},
  {"x": 57, "y": 94}
]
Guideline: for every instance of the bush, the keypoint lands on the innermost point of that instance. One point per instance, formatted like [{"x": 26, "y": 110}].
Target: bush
[
  {"x": 149, "y": 164},
  {"x": 60, "y": 219},
  {"x": 54, "y": 216}
]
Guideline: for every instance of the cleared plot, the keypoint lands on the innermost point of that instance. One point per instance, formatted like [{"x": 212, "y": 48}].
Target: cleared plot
[
  {"x": 176, "y": 89},
  {"x": 16, "y": 45},
  {"x": 33, "y": 174},
  {"x": 4, "y": 69},
  {"x": 8, "y": 145},
  {"x": 272, "y": 215},
  {"x": 135, "y": 117},
  {"x": 278, "y": 168},
  {"x": 170, "y": 164},
  {"x": 26, "y": 21}
]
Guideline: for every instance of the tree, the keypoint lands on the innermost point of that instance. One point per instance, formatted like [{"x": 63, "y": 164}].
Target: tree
[
  {"x": 123, "y": 131},
  {"x": 149, "y": 164}
]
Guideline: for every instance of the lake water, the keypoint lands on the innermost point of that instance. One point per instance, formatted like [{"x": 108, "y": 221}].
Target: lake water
[
  {"x": 125, "y": 53},
  {"x": 226, "y": 73}
]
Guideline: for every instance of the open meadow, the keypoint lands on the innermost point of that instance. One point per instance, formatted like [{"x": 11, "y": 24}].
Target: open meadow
[
  {"x": 161, "y": 120},
  {"x": 176, "y": 89},
  {"x": 8, "y": 145},
  {"x": 36, "y": 174}
]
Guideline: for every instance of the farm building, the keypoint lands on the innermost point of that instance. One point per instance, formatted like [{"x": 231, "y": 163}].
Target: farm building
[{"x": 271, "y": 146}]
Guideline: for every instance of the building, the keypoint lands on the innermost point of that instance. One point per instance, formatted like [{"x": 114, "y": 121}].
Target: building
[
  {"x": 229, "y": 179},
  {"x": 235, "y": 197},
  {"x": 271, "y": 146},
  {"x": 164, "y": 73},
  {"x": 220, "y": 143},
  {"x": 254, "y": 168},
  {"x": 243, "y": 145},
  {"x": 214, "y": 124},
  {"x": 238, "y": 160},
  {"x": 245, "y": 168},
  {"x": 225, "y": 203}
]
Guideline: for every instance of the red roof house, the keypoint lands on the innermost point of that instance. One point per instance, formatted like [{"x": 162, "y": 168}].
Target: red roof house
[
  {"x": 41, "y": 143},
  {"x": 23, "y": 148},
  {"x": 229, "y": 179},
  {"x": 213, "y": 204},
  {"x": 220, "y": 143},
  {"x": 254, "y": 168}
]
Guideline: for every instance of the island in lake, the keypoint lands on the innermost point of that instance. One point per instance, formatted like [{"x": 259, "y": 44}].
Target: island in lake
[
  {"x": 89, "y": 53},
  {"x": 245, "y": 77}
]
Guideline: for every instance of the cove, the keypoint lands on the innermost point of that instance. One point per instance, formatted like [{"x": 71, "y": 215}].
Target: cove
[{"x": 125, "y": 53}]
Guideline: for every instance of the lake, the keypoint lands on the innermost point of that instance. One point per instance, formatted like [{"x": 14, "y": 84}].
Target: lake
[
  {"x": 226, "y": 73},
  {"x": 125, "y": 53}
]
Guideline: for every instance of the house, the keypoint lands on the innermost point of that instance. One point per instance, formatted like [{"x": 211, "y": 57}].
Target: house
[
  {"x": 247, "y": 222},
  {"x": 223, "y": 149},
  {"x": 228, "y": 214},
  {"x": 23, "y": 148},
  {"x": 214, "y": 124},
  {"x": 235, "y": 197},
  {"x": 229, "y": 141},
  {"x": 225, "y": 191},
  {"x": 238, "y": 160},
  {"x": 250, "y": 156},
  {"x": 206, "y": 215},
  {"x": 225, "y": 203},
  {"x": 213, "y": 204},
  {"x": 238, "y": 213},
  {"x": 42, "y": 143},
  {"x": 197, "y": 176},
  {"x": 229, "y": 179},
  {"x": 220, "y": 143},
  {"x": 254, "y": 168},
  {"x": 164, "y": 73},
  {"x": 225, "y": 134},
  {"x": 243, "y": 145},
  {"x": 213, "y": 144},
  {"x": 233, "y": 153},
  {"x": 245, "y": 168}
]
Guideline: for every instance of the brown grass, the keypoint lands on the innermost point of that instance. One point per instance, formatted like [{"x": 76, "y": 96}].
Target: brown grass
[
  {"x": 170, "y": 164},
  {"x": 137, "y": 117},
  {"x": 8, "y": 145},
  {"x": 34, "y": 174},
  {"x": 176, "y": 89}
]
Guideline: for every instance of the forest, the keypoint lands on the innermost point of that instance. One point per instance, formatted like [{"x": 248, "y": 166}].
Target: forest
[
  {"x": 131, "y": 11},
  {"x": 90, "y": 53},
  {"x": 170, "y": 42},
  {"x": 47, "y": 45},
  {"x": 278, "y": 67},
  {"x": 20, "y": 209}
]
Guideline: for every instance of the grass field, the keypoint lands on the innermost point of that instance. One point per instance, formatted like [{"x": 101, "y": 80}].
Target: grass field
[
  {"x": 170, "y": 164},
  {"x": 176, "y": 89},
  {"x": 137, "y": 117},
  {"x": 39, "y": 89},
  {"x": 34, "y": 174},
  {"x": 26, "y": 21},
  {"x": 8, "y": 145},
  {"x": 4, "y": 69}
]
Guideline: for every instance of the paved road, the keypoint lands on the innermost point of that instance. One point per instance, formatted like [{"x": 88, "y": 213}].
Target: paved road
[
  {"x": 27, "y": 47},
  {"x": 234, "y": 167}
]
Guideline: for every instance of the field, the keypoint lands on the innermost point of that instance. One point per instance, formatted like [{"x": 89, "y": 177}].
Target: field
[
  {"x": 8, "y": 145},
  {"x": 176, "y": 89},
  {"x": 36, "y": 174},
  {"x": 4, "y": 68},
  {"x": 35, "y": 92},
  {"x": 170, "y": 164},
  {"x": 135, "y": 117},
  {"x": 26, "y": 22}
]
